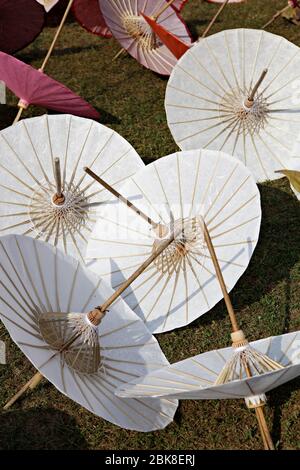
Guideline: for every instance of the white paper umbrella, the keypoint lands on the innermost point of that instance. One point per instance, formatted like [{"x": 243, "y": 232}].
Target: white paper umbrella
[
  {"x": 124, "y": 19},
  {"x": 28, "y": 184},
  {"x": 209, "y": 103},
  {"x": 48, "y": 4},
  {"x": 195, "y": 378},
  {"x": 181, "y": 285},
  {"x": 37, "y": 279}
]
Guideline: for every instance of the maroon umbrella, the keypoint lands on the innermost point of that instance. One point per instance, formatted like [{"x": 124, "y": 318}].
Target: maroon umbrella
[
  {"x": 89, "y": 16},
  {"x": 21, "y": 21},
  {"x": 35, "y": 87}
]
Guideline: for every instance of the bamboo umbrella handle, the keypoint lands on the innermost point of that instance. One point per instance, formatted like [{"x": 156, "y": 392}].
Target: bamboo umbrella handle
[
  {"x": 19, "y": 114},
  {"x": 58, "y": 31},
  {"x": 214, "y": 19},
  {"x": 220, "y": 277},
  {"x": 160, "y": 12},
  {"x": 32, "y": 383},
  {"x": 264, "y": 430},
  {"x": 275, "y": 16},
  {"x": 160, "y": 229}
]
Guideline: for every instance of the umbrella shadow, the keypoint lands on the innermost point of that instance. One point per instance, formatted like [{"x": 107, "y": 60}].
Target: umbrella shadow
[
  {"x": 40, "y": 429},
  {"x": 39, "y": 54},
  {"x": 196, "y": 25},
  {"x": 7, "y": 115},
  {"x": 275, "y": 255}
]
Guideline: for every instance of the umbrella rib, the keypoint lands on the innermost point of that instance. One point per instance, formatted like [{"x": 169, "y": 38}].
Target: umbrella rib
[
  {"x": 37, "y": 336},
  {"x": 119, "y": 328},
  {"x": 227, "y": 201},
  {"x": 230, "y": 60},
  {"x": 259, "y": 158},
  {"x": 197, "y": 172},
  {"x": 235, "y": 227},
  {"x": 158, "y": 297},
  {"x": 35, "y": 153},
  {"x": 177, "y": 269},
  {"x": 224, "y": 261},
  {"x": 67, "y": 153},
  {"x": 10, "y": 293},
  {"x": 209, "y": 182},
  {"x": 155, "y": 365},
  {"x": 186, "y": 292},
  {"x": 221, "y": 191},
  {"x": 58, "y": 308},
  {"x": 134, "y": 307},
  {"x": 72, "y": 287},
  {"x": 213, "y": 92},
  {"x": 236, "y": 243},
  {"x": 218, "y": 65},
  {"x": 255, "y": 60},
  {"x": 163, "y": 190},
  {"x": 277, "y": 158},
  {"x": 16, "y": 192},
  {"x": 147, "y": 199},
  {"x": 41, "y": 276},
  {"x": 96, "y": 397},
  {"x": 242, "y": 206},
  {"x": 201, "y": 66},
  {"x": 117, "y": 257},
  {"x": 80, "y": 154},
  {"x": 202, "y": 98},
  {"x": 197, "y": 280},
  {"x": 41, "y": 305},
  {"x": 126, "y": 227},
  {"x": 207, "y": 369},
  {"x": 89, "y": 299},
  {"x": 287, "y": 349},
  {"x": 283, "y": 69}
]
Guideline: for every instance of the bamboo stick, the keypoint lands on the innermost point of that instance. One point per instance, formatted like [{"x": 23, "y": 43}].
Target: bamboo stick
[
  {"x": 164, "y": 8},
  {"x": 279, "y": 13},
  {"x": 250, "y": 100},
  {"x": 58, "y": 31},
  {"x": 214, "y": 19},
  {"x": 19, "y": 114},
  {"x": 208, "y": 241},
  {"x": 30, "y": 384},
  {"x": 156, "y": 225}
]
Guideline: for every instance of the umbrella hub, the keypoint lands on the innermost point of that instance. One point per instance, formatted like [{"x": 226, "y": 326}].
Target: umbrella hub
[
  {"x": 190, "y": 242},
  {"x": 138, "y": 28},
  {"x": 75, "y": 337},
  {"x": 49, "y": 217},
  {"x": 240, "y": 117}
]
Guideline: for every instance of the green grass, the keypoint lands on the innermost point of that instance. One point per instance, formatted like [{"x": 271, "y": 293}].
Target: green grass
[{"x": 266, "y": 298}]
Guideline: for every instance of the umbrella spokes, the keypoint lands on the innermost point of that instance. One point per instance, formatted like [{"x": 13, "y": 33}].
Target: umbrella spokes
[
  {"x": 74, "y": 337},
  {"x": 138, "y": 28}
]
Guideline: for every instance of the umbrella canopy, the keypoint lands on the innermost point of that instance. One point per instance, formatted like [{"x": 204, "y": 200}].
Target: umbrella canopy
[
  {"x": 48, "y": 4},
  {"x": 89, "y": 16},
  {"x": 178, "y": 4},
  {"x": 129, "y": 27},
  {"x": 221, "y": 1},
  {"x": 27, "y": 178},
  {"x": 208, "y": 98},
  {"x": 2, "y": 93},
  {"x": 194, "y": 378},
  {"x": 37, "y": 279},
  {"x": 35, "y": 87},
  {"x": 21, "y": 21},
  {"x": 187, "y": 186},
  {"x": 292, "y": 172}
]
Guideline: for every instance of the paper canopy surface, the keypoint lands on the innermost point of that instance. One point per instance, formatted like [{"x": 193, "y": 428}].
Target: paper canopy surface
[
  {"x": 181, "y": 284},
  {"x": 35, "y": 87},
  {"x": 135, "y": 35},
  {"x": 21, "y": 21},
  {"x": 89, "y": 16},
  {"x": 48, "y": 4},
  {"x": 37, "y": 278},
  {"x": 27, "y": 183},
  {"x": 194, "y": 378},
  {"x": 207, "y": 90}
]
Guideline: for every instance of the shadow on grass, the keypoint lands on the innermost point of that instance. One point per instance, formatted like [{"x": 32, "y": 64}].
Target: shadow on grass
[
  {"x": 39, "y": 429},
  {"x": 276, "y": 401},
  {"x": 276, "y": 253}
]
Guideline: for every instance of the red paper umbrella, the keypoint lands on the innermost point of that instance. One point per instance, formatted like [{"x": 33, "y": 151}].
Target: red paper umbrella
[
  {"x": 89, "y": 16},
  {"x": 21, "y": 21},
  {"x": 35, "y": 87}
]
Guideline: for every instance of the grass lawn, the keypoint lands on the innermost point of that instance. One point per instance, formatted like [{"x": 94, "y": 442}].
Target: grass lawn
[{"x": 131, "y": 101}]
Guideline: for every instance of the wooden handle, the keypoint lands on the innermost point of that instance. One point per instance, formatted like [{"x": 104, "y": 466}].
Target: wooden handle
[
  {"x": 249, "y": 102},
  {"x": 58, "y": 31},
  {"x": 58, "y": 197},
  {"x": 275, "y": 16},
  {"x": 219, "y": 274},
  {"x": 113, "y": 191},
  {"x": 160, "y": 12},
  {"x": 134, "y": 276},
  {"x": 214, "y": 19},
  {"x": 30, "y": 384}
]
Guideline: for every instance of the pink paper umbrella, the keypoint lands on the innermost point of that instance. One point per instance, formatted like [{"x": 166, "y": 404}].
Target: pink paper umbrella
[
  {"x": 129, "y": 27},
  {"x": 35, "y": 87},
  {"x": 89, "y": 16},
  {"x": 179, "y": 4},
  {"x": 21, "y": 21}
]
